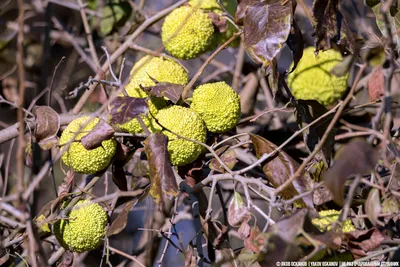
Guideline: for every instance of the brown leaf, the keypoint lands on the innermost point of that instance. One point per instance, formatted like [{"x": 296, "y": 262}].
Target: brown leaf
[
  {"x": 239, "y": 215},
  {"x": 280, "y": 169},
  {"x": 331, "y": 27},
  {"x": 345, "y": 165},
  {"x": 376, "y": 85},
  {"x": 101, "y": 132},
  {"x": 242, "y": 9},
  {"x": 296, "y": 43},
  {"x": 228, "y": 156},
  {"x": 256, "y": 240},
  {"x": 120, "y": 222},
  {"x": 162, "y": 177},
  {"x": 363, "y": 241},
  {"x": 67, "y": 183},
  {"x": 47, "y": 125},
  {"x": 373, "y": 206},
  {"x": 68, "y": 259},
  {"x": 267, "y": 26},
  {"x": 28, "y": 151},
  {"x": 171, "y": 91},
  {"x": 289, "y": 227},
  {"x": 219, "y": 22},
  {"x": 126, "y": 108}
]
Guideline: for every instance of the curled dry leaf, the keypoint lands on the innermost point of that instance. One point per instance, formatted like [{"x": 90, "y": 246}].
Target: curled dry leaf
[
  {"x": 168, "y": 90},
  {"x": 280, "y": 168},
  {"x": 228, "y": 156},
  {"x": 373, "y": 206},
  {"x": 101, "y": 132},
  {"x": 67, "y": 183},
  {"x": 47, "y": 123},
  {"x": 126, "y": 108},
  {"x": 345, "y": 166},
  {"x": 121, "y": 220},
  {"x": 362, "y": 241},
  {"x": 267, "y": 26},
  {"x": 330, "y": 26},
  {"x": 162, "y": 177},
  {"x": 239, "y": 215},
  {"x": 219, "y": 22}
]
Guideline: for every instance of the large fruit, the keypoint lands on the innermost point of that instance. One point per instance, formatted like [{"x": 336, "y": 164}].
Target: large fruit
[
  {"x": 312, "y": 79},
  {"x": 187, "y": 32},
  {"x": 160, "y": 69},
  {"x": 184, "y": 122},
  {"x": 218, "y": 105},
  {"x": 84, "y": 228},
  {"x": 77, "y": 156}
]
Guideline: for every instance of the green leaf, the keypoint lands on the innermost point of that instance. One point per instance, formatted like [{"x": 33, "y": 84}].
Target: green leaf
[{"x": 114, "y": 16}]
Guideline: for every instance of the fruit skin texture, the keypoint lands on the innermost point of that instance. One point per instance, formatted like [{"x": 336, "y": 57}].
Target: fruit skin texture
[
  {"x": 311, "y": 80},
  {"x": 327, "y": 217},
  {"x": 78, "y": 157},
  {"x": 160, "y": 69},
  {"x": 187, "y": 123},
  {"x": 187, "y": 32},
  {"x": 84, "y": 229},
  {"x": 218, "y": 105}
]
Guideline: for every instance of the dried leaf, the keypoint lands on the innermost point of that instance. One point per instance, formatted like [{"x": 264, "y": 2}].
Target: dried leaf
[
  {"x": 267, "y": 26},
  {"x": 228, "y": 156},
  {"x": 67, "y": 183},
  {"x": 120, "y": 222},
  {"x": 331, "y": 27},
  {"x": 239, "y": 215},
  {"x": 28, "y": 151},
  {"x": 126, "y": 108},
  {"x": 101, "y": 132},
  {"x": 68, "y": 259},
  {"x": 171, "y": 91},
  {"x": 162, "y": 177},
  {"x": 345, "y": 166},
  {"x": 363, "y": 241},
  {"x": 280, "y": 169},
  {"x": 47, "y": 125},
  {"x": 373, "y": 206},
  {"x": 296, "y": 43},
  {"x": 376, "y": 85},
  {"x": 289, "y": 227}
]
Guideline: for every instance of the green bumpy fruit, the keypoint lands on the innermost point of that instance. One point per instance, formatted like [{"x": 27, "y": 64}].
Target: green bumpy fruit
[
  {"x": 187, "y": 32},
  {"x": 327, "y": 217},
  {"x": 84, "y": 228},
  {"x": 312, "y": 79},
  {"x": 160, "y": 69},
  {"x": 213, "y": 6},
  {"x": 184, "y": 122},
  {"x": 218, "y": 105},
  {"x": 77, "y": 156}
]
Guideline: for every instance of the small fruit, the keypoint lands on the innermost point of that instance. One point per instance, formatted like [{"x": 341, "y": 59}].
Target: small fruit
[
  {"x": 187, "y": 32},
  {"x": 160, "y": 69},
  {"x": 77, "y": 156},
  {"x": 327, "y": 217},
  {"x": 312, "y": 79},
  {"x": 184, "y": 122},
  {"x": 84, "y": 228},
  {"x": 218, "y": 105}
]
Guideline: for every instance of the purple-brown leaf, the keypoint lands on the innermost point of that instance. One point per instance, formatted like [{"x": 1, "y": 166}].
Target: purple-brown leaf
[
  {"x": 47, "y": 125},
  {"x": 101, "y": 132},
  {"x": 126, "y": 108},
  {"x": 267, "y": 26},
  {"x": 357, "y": 157},
  {"x": 67, "y": 183},
  {"x": 162, "y": 177},
  {"x": 171, "y": 91},
  {"x": 280, "y": 168},
  {"x": 122, "y": 219},
  {"x": 373, "y": 206}
]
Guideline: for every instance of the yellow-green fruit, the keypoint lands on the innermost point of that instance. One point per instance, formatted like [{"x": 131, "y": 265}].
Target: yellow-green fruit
[
  {"x": 77, "y": 156},
  {"x": 187, "y": 32},
  {"x": 184, "y": 122},
  {"x": 328, "y": 217},
  {"x": 160, "y": 69},
  {"x": 218, "y": 105},
  {"x": 84, "y": 228},
  {"x": 312, "y": 79}
]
